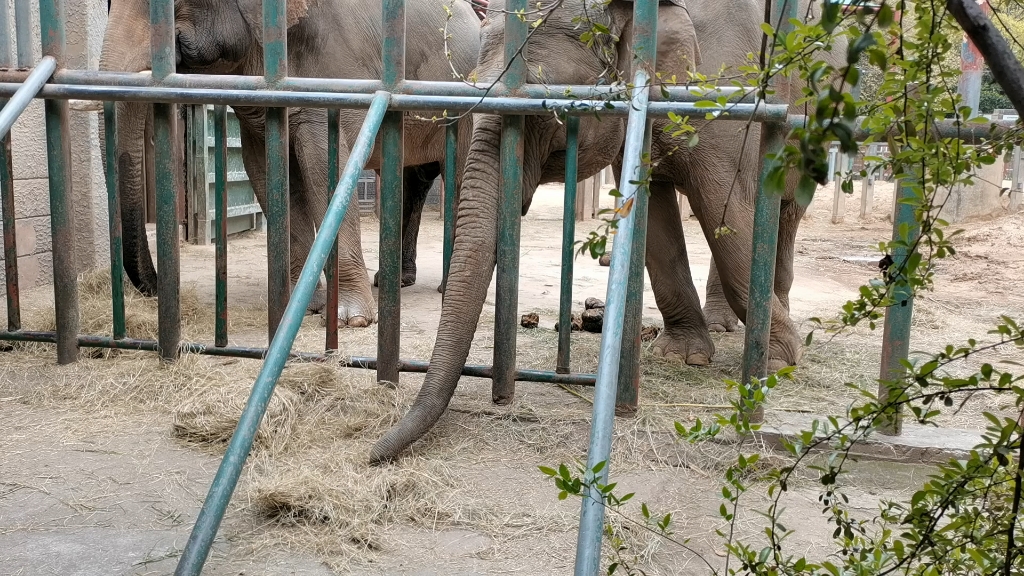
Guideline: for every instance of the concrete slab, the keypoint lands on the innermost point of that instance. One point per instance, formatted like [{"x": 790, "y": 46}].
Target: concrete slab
[{"x": 917, "y": 443}]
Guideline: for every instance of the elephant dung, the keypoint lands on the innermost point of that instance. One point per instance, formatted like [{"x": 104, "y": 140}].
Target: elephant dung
[
  {"x": 530, "y": 320},
  {"x": 593, "y": 319},
  {"x": 576, "y": 324},
  {"x": 605, "y": 260},
  {"x": 592, "y": 303},
  {"x": 649, "y": 333}
]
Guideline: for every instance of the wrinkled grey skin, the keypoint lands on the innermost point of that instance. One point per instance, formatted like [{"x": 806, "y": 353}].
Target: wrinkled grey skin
[
  {"x": 726, "y": 31},
  {"x": 326, "y": 38}
]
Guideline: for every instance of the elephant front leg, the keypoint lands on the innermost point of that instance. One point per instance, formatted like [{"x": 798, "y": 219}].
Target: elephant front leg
[
  {"x": 416, "y": 184},
  {"x": 356, "y": 305},
  {"x": 685, "y": 337},
  {"x": 717, "y": 312},
  {"x": 732, "y": 254}
]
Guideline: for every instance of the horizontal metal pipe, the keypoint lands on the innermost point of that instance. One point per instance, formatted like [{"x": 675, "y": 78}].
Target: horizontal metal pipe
[
  {"x": 26, "y": 91},
  {"x": 360, "y": 86},
  {"x": 255, "y": 353},
  {"x": 401, "y": 102}
]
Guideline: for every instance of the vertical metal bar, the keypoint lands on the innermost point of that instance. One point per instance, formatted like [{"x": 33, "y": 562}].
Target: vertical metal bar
[
  {"x": 114, "y": 220},
  {"x": 628, "y": 393},
  {"x": 62, "y": 212},
  {"x": 164, "y": 136},
  {"x": 896, "y": 330},
  {"x": 389, "y": 282},
  {"x": 572, "y": 132},
  {"x": 331, "y": 271},
  {"x": 761, "y": 289},
  {"x": 7, "y": 192},
  {"x": 1016, "y": 179},
  {"x": 275, "y": 69},
  {"x": 506, "y": 301},
  {"x": 757, "y": 333},
  {"x": 10, "y": 237},
  {"x": 588, "y": 544},
  {"x": 220, "y": 202},
  {"x": 23, "y": 30},
  {"x": 637, "y": 148},
  {"x": 451, "y": 135},
  {"x": 210, "y": 516}
]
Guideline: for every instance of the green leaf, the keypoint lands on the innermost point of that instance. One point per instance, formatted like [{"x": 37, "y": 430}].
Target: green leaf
[{"x": 804, "y": 194}]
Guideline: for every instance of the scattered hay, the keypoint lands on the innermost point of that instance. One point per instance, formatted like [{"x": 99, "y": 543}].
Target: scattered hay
[{"x": 211, "y": 417}]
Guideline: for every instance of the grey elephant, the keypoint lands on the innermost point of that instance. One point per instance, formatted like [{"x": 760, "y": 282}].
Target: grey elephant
[
  {"x": 726, "y": 31},
  {"x": 328, "y": 40}
]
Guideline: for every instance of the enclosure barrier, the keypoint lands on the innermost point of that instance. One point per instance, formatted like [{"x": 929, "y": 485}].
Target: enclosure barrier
[{"x": 385, "y": 100}]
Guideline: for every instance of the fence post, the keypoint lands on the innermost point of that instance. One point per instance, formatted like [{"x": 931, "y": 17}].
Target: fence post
[
  {"x": 220, "y": 200},
  {"x": 896, "y": 330},
  {"x": 506, "y": 299},
  {"x": 867, "y": 190},
  {"x": 7, "y": 191},
  {"x": 839, "y": 197},
  {"x": 62, "y": 211},
  {"x": 1016, "y": 179},
  {"x": 389, "y": 279},
  {"x": 761, "y": 290},
  {"x": 275, "y": 69},
  {"x": 572, "y": 129}
]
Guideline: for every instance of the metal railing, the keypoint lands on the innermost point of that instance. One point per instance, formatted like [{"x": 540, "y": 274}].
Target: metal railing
[{"x": 617, "y": 379}]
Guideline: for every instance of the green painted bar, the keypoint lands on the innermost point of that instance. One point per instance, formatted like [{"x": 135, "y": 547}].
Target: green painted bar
[
  {"x": 572, "y": 132},
  {"x": 331, "y": 271},
  {"x": 220, "y": 201},
  {"x": 62, "y": 210},
  {"x": 761, "y": 289},
  {"x": 389, "y": 279},
  {"x": 114, "y": 220},
  {"x": 7, "y": 191},
  {"x": 10, "y": 237},
  {"x": 451, "y": 144},
  {"x": 358, "y": 362},
  {"x": 898, "y": 317},
  {"x": 212, "y": 513},
  {"x": 275, "y": 69},
  {"x": 161, "y": 14},
  {"x": 627, "y": 393},
  {"x": 757, "y": 331},
  {"x": 506, "y": 300}
]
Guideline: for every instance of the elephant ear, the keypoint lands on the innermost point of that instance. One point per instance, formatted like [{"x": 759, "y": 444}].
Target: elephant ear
[
  {"x": 297, "y": 10},
  {"x": 678, "y": 51}
]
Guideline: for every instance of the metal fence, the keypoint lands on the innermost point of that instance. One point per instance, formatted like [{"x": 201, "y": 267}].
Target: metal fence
[{"x": 386, "y": 99}]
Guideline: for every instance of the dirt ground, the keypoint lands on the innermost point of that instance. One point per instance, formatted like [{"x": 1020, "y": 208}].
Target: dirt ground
[{"x": 106, "y": 462}]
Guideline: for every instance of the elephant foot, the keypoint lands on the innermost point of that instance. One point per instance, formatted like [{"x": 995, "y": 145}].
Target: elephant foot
[
  {"x": 695, "y": 349},
  {"x": 355, "y": 310},
  {"x": 408, "y": 278},
  {"x": 721, "y": 318},
  {"x": 785, "y": 348}
]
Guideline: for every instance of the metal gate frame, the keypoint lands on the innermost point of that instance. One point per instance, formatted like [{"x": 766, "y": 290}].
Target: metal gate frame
[{"x": 386, "y": 100}]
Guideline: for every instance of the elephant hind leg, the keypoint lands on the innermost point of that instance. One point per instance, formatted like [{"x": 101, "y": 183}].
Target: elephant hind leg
[
  {"x": 717, "y": 312},
  {"x": 685, "y": 337}
]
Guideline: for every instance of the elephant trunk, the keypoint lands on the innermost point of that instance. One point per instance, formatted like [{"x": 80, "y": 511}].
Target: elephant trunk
[
  {"x": 126, "y": 49},
  {"x": 472, "y": 265}
]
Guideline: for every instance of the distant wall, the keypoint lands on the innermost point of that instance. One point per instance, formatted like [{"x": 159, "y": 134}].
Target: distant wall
[{"x": 86, "y": 22}]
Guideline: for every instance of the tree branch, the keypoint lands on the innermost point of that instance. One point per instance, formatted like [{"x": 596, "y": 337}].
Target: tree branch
[{"x": 1006, "y": 70}]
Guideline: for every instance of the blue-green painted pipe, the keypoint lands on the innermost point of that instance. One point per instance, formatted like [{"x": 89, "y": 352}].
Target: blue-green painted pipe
[
  {"x": 23, "y": 97},
  {"x": 205, "y": 529},
  {"x": 510, "y": 206},
  {"x": 572, "y": 132},
  {"x": 275, "y": 69},
  {"x": 114, "y": 221},
  {"x": 392, "y": 137},
  {"x": 765, "y": 233},
  {"x": 896, "y": 329},
  {"x": 407, "y": 102},
  {"x": 62, "y": 212},
  {"x": 366, "y": 86},
  {"x": 588, "y": 545},
  {"x": 451, "y": 145}
]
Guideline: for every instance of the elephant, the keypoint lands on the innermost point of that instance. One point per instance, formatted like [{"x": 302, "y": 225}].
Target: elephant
[
  {"x": 326, "y": 40},
  {"x": 707, "y": 33}
]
